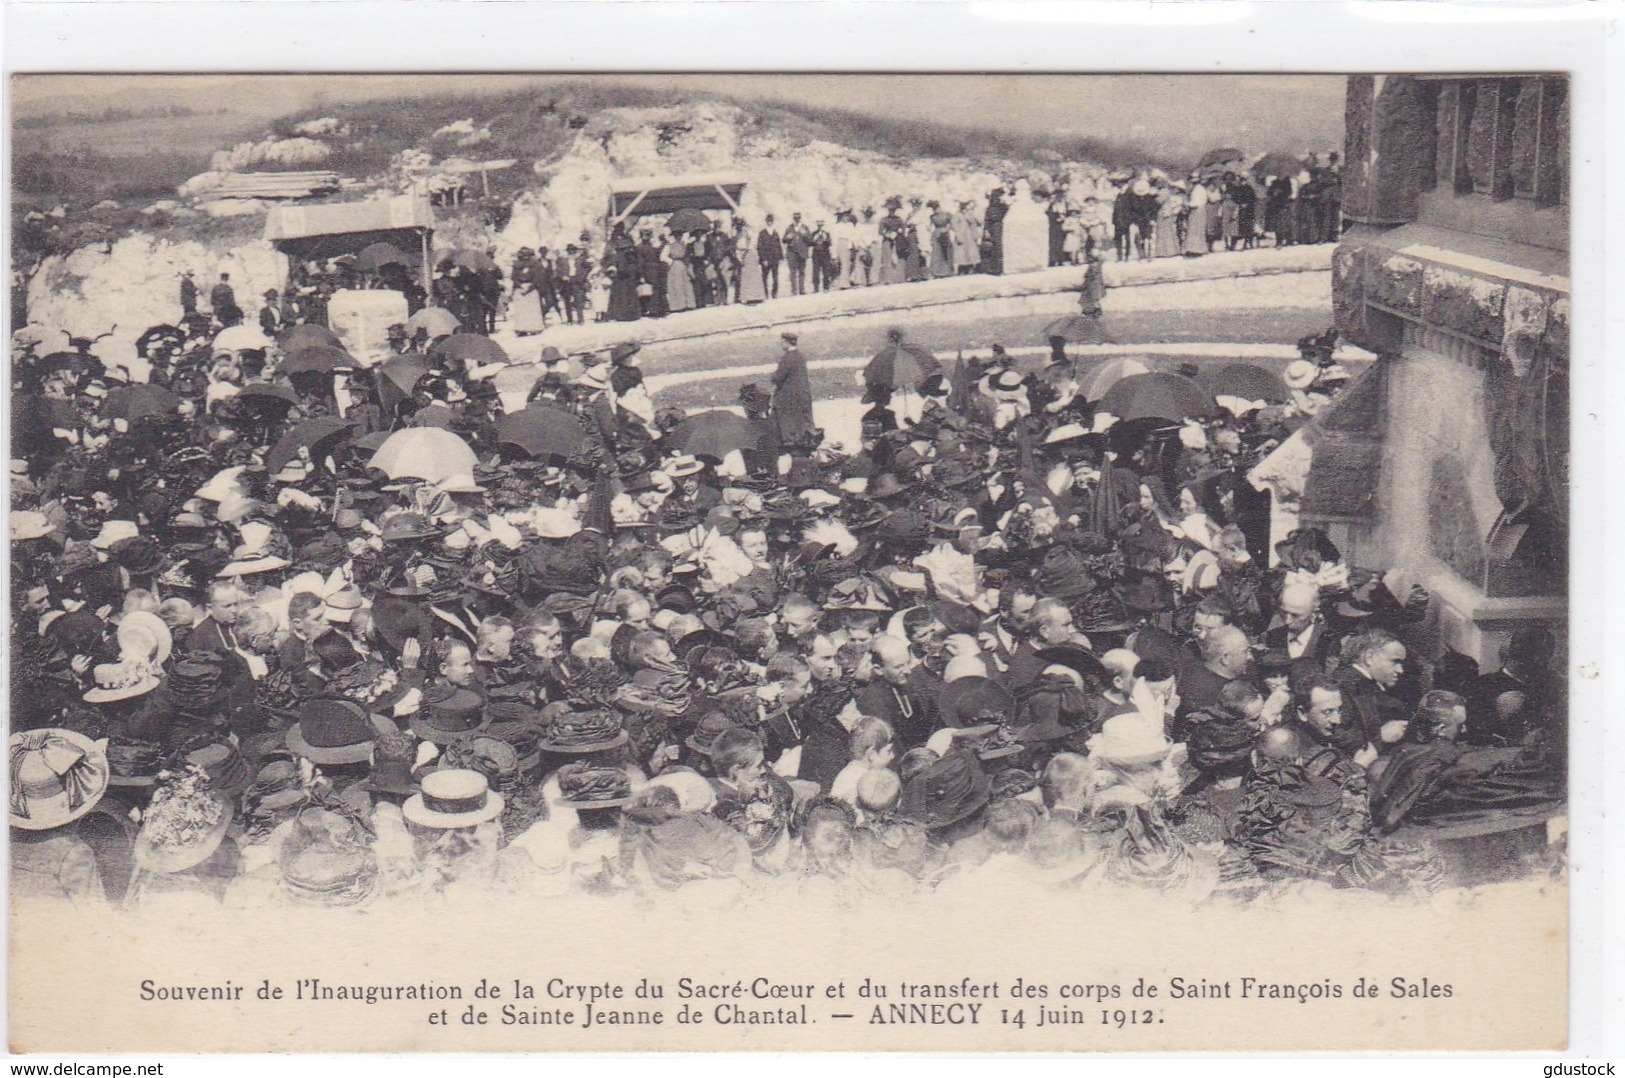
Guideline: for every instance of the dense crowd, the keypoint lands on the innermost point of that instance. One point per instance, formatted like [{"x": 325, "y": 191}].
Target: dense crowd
[{"x": 281, "y": 635}]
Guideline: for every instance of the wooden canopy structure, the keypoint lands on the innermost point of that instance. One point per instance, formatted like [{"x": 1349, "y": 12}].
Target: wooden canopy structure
[
  {"x": 345, "y": 228},
  {"x": 651, "y": 196}
]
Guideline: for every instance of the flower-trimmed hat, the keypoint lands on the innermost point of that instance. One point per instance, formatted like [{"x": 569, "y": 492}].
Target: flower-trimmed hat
[{"x": 184, "y": 823}]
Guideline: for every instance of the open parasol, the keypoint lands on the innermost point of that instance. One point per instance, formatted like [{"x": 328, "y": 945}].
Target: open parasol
[
  {"x": 427, "y": 453},
  {"x": 305, "y": 335},
  {"x": 1277, "y": 164},
  {"x": 404, "y": 371},
  {"x": 138, "y": 402},
  {"x": 316, "y": 359},
  {"x": 688, "y": 219},
  {"x": 437, "y": 321},
  {"x": 1109, "y": 373},
  {"x": 477, "y": 261},
  {"x": 900, "y": 365},
  {"x": 1076, "y": 329},
  {"x": 469, "y": 347},
  {"x": 713, "y": 434},
  {"x": 1222, "y": 156},
  {"x": 1158, "y": 395},
  {"x": 375, "y": 256},
  {"x": 542, "y": 430},
  {"x": 240, "y": 338},
  {"x": 163, "y": 333},
  {"x": 1246, "y": 380},
  {"x": 312, "y": 434},
  {"x": 266, "y": 396}
]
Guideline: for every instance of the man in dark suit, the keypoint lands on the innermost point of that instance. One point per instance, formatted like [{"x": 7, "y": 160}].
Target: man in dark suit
[
  {"x": 1369, "y": 682},
  {"x": 221, "y": 297},
  {"x": 903, "y": 693},
  {"x": 797, "y": 247},
  {"x": 1298, "y": 631},
  {"x": 770, "y": 252}
]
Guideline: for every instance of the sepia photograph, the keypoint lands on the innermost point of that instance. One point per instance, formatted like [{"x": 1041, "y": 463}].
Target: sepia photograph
[{"x": 554, "y": 561}]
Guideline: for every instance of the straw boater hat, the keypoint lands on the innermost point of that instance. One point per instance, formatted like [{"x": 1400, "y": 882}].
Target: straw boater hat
[
  {"x": 253, "y": 554},
  {"x": 57, "y": 776},
  {"x": 453, "y": 798},
  {"x": 184, "y": 823}
]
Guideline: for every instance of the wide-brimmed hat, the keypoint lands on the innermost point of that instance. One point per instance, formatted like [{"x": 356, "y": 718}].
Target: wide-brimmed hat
[
  {"x": 456, "y": 797},
  {"x": 683, "y": 464},
  {"x": 123, "y": 680},
  {"x": 887, "y": 485},
  {"x": 143, "y": 633},
  {"x": 946, "y": 792},
  {"x": 253, "y": 554},
  {"x": 586, "y": 786},
  {"x": 327, "y": 860},
  {"x": 335, "y": 731},
  {"x": 973, "y": 701},
  {"x": 57, "y": 776},
  {"x": 184, "y": 823},
  {"x": 449, "y": 712},
  {"x": 1129, "y": 741},
  {"x": 597, "y": 730}
]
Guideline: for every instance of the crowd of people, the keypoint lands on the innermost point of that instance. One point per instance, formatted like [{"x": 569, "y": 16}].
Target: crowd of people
[
  {"x": 285, "y": 637},
  {"x": 650, "y": 269},
  {"x": 1155, "y": 217}
]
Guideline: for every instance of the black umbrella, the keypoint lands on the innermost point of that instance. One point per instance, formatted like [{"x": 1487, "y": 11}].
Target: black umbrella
[
  {"x": 266, "y": 397},
  {"x": 311, "y": 434},
  {"x": 305, "y": 335},
  {"x": 901, "y": 364},
  {"x": 139, "y": 401},
  {"x": 375, "y": 256},
  {"x": 316, "y": 359},
  {"x": 1223, "y": 155},
  {"x": 1076, "y": 328},
  {"x": 1158, "y": 395},
  {"x": 478, "y": 261},
  {"x": 542, "y": 430},
  {"x": 1277, "y": 164},
  {"x": 1245, "y": 380},
  {"x": 713, "y": 434},
  {"x": 469, "y": 346},
  {"x": 688, "y": 220}
]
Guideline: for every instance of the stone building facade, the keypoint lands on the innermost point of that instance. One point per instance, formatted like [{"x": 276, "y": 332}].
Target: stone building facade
[{"x": 1450, "y": 458}]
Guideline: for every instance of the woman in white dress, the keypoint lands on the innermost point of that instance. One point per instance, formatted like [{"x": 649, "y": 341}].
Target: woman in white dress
[{"x": 1196, "y": 223}]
